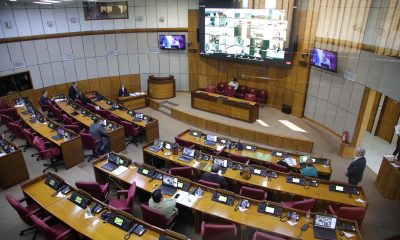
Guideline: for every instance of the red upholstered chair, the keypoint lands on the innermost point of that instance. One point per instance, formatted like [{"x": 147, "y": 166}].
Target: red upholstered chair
[
  {"x": 265, "y": 236},
  {"x": 305, "y": 205},
  {"x": 238, "y": 158},
  {"x": 11, "y": 112},
  {"x": 17, "y": 131},
  {"x": 52, "y": 229},
  {"x": 156, "y": 218},
  {"x": 277, "y": 167},
  {"x": 242, "y": 90},
  {"x": 79, "y": 102},
  {"x": 47, "y": 153},
  {"x": 220, "y": 88},
  {"x": 97, "y": 190},
  {"x": 7, "y": 120},
  {"x": 262, "y": 96},
  {"x": 124, "y": 204},
  {"x": 183, "y": 143},
  {"x": 88, "y": 142},
  {"x": 253, "y": 193},
  {"x": 25, "y": 212},
  {"x": 229, "y": 91},
  {"x": 114, "y": 118},
  {"x": 57, "y": 112},
  {"x": 103, "y": 113},
  {"x": 252, "y": 91},
  {"x": 3, "y": 104},
  {"x": 29, "y": 138},
  {"x": 131, "y": 132},
  {"x": 186, "y": 172},
  {"x": 91, "y": 107},
  {"x": 210, "y": 89},
  {"x": 211, "y": 231},
  {"x": 209, "y": 184},
  {"x": 68, "y": 120},
  {"x": 352, "y": 213},
  {"x": 250, "y": 97},
  {"x": 73, "y": 127}
]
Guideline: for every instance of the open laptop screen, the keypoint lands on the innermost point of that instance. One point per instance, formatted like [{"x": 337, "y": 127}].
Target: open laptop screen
[
  {"x": 325, "y": 221},
  {"x": 221, "y": 162},
  {"x": 188, "y": 152},
  {"x": 211, "y": 138},
  {"x": 170, "y": 181},
  {"x": 60, "y": 131}
]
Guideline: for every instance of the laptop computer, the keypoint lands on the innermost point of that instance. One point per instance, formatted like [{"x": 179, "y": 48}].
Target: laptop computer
[
  {"x": 138, "y": 117},
  {"x": 157, "y": 145},
  {"x": 60, "y": 134},
  {"x": 223, "y": 163},
  {"x": 211, "y": 140},
  {"x": 187, "y": 154},
  {"x": 325, "y": 227},
  {"x": 169, "y": 184},
  {"x": 113, "y": 162}
]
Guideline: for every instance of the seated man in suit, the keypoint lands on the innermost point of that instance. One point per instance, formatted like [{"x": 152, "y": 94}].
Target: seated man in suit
[
  {"x": 309, "y": 170},
  {"x": 356, "y": 168},
  {"x": 123, "y": 91},
  {"x": 214, "y": 177},
  {"x": 44, "y": 101},
  {"x": 98, "y": 132},
  {"x": 73, "y": 92},
  {"x": 163, "y": 205}
]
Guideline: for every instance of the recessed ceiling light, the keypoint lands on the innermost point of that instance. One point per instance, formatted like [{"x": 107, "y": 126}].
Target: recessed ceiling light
[
  {"x": 13, "y": 0},
  {"x": 42, "y": 2},
  {"x": 50, "y": 1}
]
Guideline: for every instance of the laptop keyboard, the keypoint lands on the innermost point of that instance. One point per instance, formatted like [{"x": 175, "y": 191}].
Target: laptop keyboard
[
  {"x": 185, "y": 158},
  {"x": 155, "y": 148},
  {"x": 168, "y": 190},
  {"x": 57, "y": 137},
  {"x": 324, "y": 234},
  {"x": 110, "y": 166},
  {"x": 210, "y": 143},
  {"x": 137, "y": 120}
]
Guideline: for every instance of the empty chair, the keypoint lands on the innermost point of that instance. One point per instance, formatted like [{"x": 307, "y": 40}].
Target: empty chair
[
  {"x": 252, "y": 91},
  {"x": 157, "y": 218},
  {"x": 277, "y": 167},
  {"x": 29, "y": 138},
  {"x": 186, "y": 172},
  {"x": 95, "y": 189},
  {"x": 17, "y": 132},
  {"x": 210, "y": 89},
  {"x": 209, "y": 184},
  {"x": 262, "y": 97},
  {"x": 229, "y": 91},
  {"x": 68, "y": 120},
  {"x": 220, "y": 88},
  {"x": 131, "y": 132},
  {"x": 50, "y": 228},
  {"x": 88, "y": 142},
  {"x": 103, "y": 113},
  {"x": 212, "y": 231},
  {"x": 265, "y": 236},
  {"x": 250, "y": 97},
  {"x": 3, "y": 104},
  {"x": 353, "y": 213},
  {"x": 73, "y": 127},
  {"x": 57, "y": 112},
  {"x": 47, "y": 153},
  {"x": 238, "y": 158},
  {"x": 114, "y": 118},
  {"x": 124, "y": 204},
  {"x": 253, "y": 193},
  {"x": 7, "y": 120},
  {"x": 79, "y": 102},
  {"x": 91, "y": 107},
  {"x": 242, "y": 90},
  {"x": 25, "y": 212},
  {"x": 305, "y": 205},
  {"x": 183, "y": 143}
]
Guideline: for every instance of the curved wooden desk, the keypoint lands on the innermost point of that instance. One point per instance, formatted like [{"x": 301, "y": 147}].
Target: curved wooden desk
[
  {"x": 388, "y": 180},
  {"x": 161, "y": 87}
]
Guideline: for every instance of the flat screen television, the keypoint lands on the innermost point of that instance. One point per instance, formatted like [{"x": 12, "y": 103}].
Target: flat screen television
[
  {"x": 263, "y": 36},
  {"x": 15, "y": 83},
  {"x": 323, "y": 59},
  {"x": 173, "y": 42}
]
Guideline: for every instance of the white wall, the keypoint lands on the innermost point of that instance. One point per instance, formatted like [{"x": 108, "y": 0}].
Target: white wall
[{"x": 59, "y": 60}]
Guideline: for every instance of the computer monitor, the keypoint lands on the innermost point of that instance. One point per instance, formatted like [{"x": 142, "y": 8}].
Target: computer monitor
[
  {"x": 112, "y": 157},
  {"x": 170, "y": 181},
  {"x": 60, "y": 131},
  {"x": 188, "y": 152},
  {"x": 158, "y": 143},
  {"x": 325, "y": 221},
  {"x": 221, "y": 162},
  {"x": 211, "y": 138},
  {"x": 139, "y": 115}
]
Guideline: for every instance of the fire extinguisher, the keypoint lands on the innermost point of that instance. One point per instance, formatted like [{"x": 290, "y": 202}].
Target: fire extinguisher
[{"x": 345, "y": 137}]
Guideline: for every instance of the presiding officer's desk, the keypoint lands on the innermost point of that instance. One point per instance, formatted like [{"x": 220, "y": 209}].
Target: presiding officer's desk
[
  {"x": 259, "y": 156},
  {"x": 248, "y": 221},
  {"x": 74, "y": 216},
  {"x": 228, "y": 106},
  {"x": 150, "y": 128},
  {"x": 133, "y": 102},
  {"x": 116, "y": 136},
  {"x": 12, "y": 165},
  {"x": 278, "y": 185},
  {"x": 72, "y": 150}
]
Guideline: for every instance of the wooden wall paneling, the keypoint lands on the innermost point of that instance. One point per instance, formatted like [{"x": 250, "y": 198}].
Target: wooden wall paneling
[
  {"x": 308, "y": 5},
  {"x": 194, "y": 62},
  {"x": 29, "y": 94},
  {"x": 193, "y": 21},
  {"x": 83, "y": 85},
  {"x": 291, "y": 78},
  {"x": 222, "y": 69},
  {"x": 304, "y": 146},
  {"x": 322, "y": 29},
  {"x": 351, "y": 34},
  {"x": 62, "y": 88},
  {"x": 289, "y": 143},
  {"x": 94, "y": 84},
  {"x": 104, "y": 83},
  {"x": 278, "y": 98},
  {"x": 279, "y": 4},
  {"x": 248, "y": 135},
  {"x": 201, "y": 123},
  {"x": 212, "y": 67},
  {"x": 314, "y": 22},
  {"x": 261, "y": 138},
  {"x": 339, "y": 22},
  {"x": 203, "y": 65},
  {"x": 191, "y": 120},
  {"x": 223, "y": 129},
  {"x": 51, "y": 90},
  {"x": 383, "y": 37},
  {"x": 334, "y": 11},
  {"x": 361, "y": 22},
  {"x": 302, "y": 20},
  {"x": 202, "y": 82},
  {"x": 393, "y": 30},
  {"x": 275, "y": 141},
  {"x": 288, "y": 96},
  {"x": 235, "y": 132},
  {"x": 193, "y": 82},
  {"x": 288, "y": 7},
  {"x": 126, "y": 81},
  {"x": 212, "y": 126},
  {"x": 135, "y": 82},
  {"x": 11, "y": 98},
  {"x": 298, "y": 104},
  {"x": 345, "y": 27},
  {"x": 114, "y": 85},
  {"x": 36, "y": 93}
]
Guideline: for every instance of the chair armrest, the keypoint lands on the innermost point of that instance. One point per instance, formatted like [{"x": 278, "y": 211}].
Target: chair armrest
[
  {"x": 34, "y": 212},
  {"x": 48, "y": 218},
  {"x": 122, "y": 192},
  {"x": 64, "y": 234},
  {"x": 22, "y": 199},
  {"x": 331, "y": 210}
]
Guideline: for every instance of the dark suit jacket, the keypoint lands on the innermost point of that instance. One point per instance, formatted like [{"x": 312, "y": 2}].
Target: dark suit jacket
[
  {"x": 44, "y": 100},
  {"x": 212, "y": 177},
  {"x": 123, "y": 93},
  {"x": 73, "y": 93},
  {"x": 355, "y": 170},
  {"x": 97, "y": 131}
]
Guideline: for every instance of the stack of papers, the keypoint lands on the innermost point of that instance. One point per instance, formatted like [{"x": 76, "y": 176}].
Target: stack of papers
[
  {"x": 185, "y": 198},
  {"x": 119, "y": 170}
]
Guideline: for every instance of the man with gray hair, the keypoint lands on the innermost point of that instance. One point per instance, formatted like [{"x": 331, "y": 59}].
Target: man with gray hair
[{"x": 356, "y": 168}]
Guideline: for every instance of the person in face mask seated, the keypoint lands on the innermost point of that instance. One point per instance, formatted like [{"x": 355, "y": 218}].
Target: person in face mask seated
[{"x": 123, "y": 91}]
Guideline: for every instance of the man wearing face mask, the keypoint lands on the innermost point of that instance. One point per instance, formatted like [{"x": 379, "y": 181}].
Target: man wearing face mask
[{"x": 123, "y": 91}]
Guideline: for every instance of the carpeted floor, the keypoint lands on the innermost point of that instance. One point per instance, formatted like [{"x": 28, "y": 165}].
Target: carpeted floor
[{"x": 381, "y": 220}]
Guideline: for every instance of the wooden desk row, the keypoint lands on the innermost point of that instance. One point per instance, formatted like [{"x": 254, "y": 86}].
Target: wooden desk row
[
  {"x": 12, "y": 165},
  {"x": 116, "y": 136},
  {"x": 72, "y": 150},
  {"x": 277, "y": 185},
  {"x": 248, "y": 220},
  {"x": 227, "y": 106},
  {"x": 388, "y": 180},
  {"x": 133, "y": 102},
  {"x": 260, "y": 156},
  {"x": 150, "y": 128},
  {"x": 74, "y": 216}
]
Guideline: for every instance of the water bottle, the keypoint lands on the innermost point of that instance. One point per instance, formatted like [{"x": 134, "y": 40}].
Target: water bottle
[{"x": 308, "y": 216}]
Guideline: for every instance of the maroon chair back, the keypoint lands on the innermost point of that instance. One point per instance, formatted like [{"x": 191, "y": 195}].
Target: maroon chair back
[
  {"x": 210, "y": 89},
  {"x": 183, "y": 143},
  {"x": 66, "y": 119},
  {"x": 186, "y": 172},
  {"x": 22, "y": 211},
  {"x": 40, "y": 145},
  {"x": 262, "y": 96},
  {"x": 265, "y": 236},
  {"x": 113, "y": 118},
  {"x": 29, "y": 136},
  {"x": 229, "y": 91},
  {"x": 17, "y": 130},
  {"x": 250, "y": 97},
  {"x": 97, "y": 190},
  {"x": 3, "y": 104},
  {"x": 10, "y": 112},
  {"x": 130, "y": 129},
  {"x": 51, "y": 232},
  {"x": 220, "y": 88},
  {"x": 102, "y": 113},
  {"x": 91, "y": 107},
  {"x": 253, "y": 193},
  {"x": 242, "y": 90},
  {"x": 57, "y": 112},
  {"x": 210, "y": 231},
  {"x": 79, "y": 102},
  {"x": 155, "y": 217},
  {"x": 88, "y": 142},
  {"x": 353, "y": 213},
  {"x": 73, "y": 127},
  {"x": 209, "y": 184},
  {"x": 305, "y": 205},
  {"x": 277, "y": 167},
  {"x": 253, "y": 91},
  {"x": 238, "y": 158}
]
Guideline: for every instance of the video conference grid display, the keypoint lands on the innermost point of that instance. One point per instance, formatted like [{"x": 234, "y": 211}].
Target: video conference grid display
[
  {"x": 325, "y": 221},
  {"x": 253, "y": 34}
]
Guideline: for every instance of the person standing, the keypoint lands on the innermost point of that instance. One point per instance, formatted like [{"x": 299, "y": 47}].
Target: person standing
[
  {"x": 356, "y": 168},
  {"x": 44, "y": 101},
  {"x": 396, "y": 152},
  {"x": 73, "y": 92}
]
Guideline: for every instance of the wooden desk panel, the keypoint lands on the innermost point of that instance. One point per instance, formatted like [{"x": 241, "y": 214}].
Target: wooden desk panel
[
  {"x": 388, "y": 180},
  {"x": 133, "y": 102},
  {"x": 226, "y": 106},
  {"x": 161, "y": 87},
  {"x": 13, "y": 168}
]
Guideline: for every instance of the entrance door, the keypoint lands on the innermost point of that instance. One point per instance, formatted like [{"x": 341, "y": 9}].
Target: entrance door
[{"x": 388, "y": 119}]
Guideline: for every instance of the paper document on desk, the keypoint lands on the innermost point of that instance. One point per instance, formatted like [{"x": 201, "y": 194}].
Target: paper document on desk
[
  {"x": 185, "y": 198},
  {"x": 360, "y": 200},
  {"x": 2, "y": 154},
  {"x": 348, "y": 235},
  {"x": 291, "y": 223},
  {"x": 119, "y": 170},
  {"x": 291, "y": 161},
  {"x": 60, "y": 195},
  {"x": 19, "y": 105},
  {"x": 59, "y": 100},
  {"x": 219, "y": 147}
]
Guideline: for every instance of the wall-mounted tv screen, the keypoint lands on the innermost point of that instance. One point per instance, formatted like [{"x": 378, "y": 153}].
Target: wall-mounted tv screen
[
  {"x": 324, "y": 59},
  {"x": 247, "y": 35},
  {"x": 175, "y": 42},
  {"x": 15, "y": 83}
]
